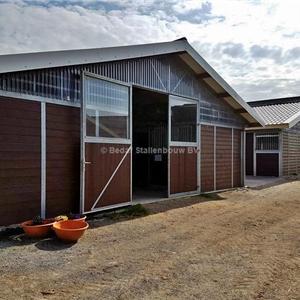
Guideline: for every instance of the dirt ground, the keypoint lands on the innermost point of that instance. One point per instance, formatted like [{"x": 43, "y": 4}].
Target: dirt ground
[{"x": 243, "y": 244}]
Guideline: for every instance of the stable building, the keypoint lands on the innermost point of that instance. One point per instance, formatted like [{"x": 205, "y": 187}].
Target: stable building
[
  {"x": 81, "y": 130},
  {"x": 275, "y": 149}
]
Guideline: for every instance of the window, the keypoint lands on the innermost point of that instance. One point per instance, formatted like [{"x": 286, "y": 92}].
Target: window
[
  {"x": 107, "y": 109},
  {"x": 267, "y": 142},
  {"x": 183, "y": 121}
]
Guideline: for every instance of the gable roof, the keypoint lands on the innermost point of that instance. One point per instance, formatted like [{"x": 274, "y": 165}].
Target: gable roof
[
  {"x": 50, "y": 59},
  {"x": 281, "y": 112}
]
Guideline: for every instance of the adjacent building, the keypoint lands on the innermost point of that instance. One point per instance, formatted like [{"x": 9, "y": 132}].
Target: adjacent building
[{"x": 274, "y": 150}]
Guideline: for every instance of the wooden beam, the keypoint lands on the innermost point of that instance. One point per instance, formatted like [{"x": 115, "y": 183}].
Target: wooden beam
[
  {"x": 203, "y": 75},
  {"x": 241, "y": 110},
  {"x": 223, "y": 95}
]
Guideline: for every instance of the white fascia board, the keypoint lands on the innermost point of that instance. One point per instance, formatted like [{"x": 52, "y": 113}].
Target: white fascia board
[
  {"x": 197, "y": 57},
  {"x": 42, "y": 60}
]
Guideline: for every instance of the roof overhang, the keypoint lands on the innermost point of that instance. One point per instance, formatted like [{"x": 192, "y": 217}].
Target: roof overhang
[
  {"x": 284, "y": 121},
  {"x": 291, "y": 122},
  {"x": 220, "y": 87},
  {"x": 266, "y": 127},
  {"x": 41, "y": 60},
  {"x": 295, "y": 119}
]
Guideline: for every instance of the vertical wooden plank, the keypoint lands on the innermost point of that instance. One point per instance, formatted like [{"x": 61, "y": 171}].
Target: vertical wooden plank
[
  {"x": 20, "y": 160},
  {"x": 223, "y": 158},
  {"x": 63, "y": 159},
  {"x": 207, "y": 158}
]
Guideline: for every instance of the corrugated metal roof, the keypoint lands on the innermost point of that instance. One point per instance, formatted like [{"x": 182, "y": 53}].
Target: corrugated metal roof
[
  {"x": 33, "y": 61},
  {"x": 277, "y": 111}
]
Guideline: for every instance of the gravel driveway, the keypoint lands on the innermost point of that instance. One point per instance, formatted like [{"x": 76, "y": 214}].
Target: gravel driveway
[{"x": 242, "y": 244}]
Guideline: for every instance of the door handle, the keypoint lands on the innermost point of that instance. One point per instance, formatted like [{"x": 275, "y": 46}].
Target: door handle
[{"x": 88, "y": 162}]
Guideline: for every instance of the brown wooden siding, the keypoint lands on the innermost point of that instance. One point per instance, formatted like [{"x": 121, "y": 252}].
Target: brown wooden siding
[
  {"x": 103, "y": 164},
  {"x": 223, "y": 158},
  {"x": 207, "y": 158},
  {"x": 62, "y": 159},
  {"x": 183, "y": 169},
  {"x": 291, "y": 151},
  {"x": 20, "y": 155},
  {"x": 249, "y": 153},
  {"x": 237, "y": 158}
]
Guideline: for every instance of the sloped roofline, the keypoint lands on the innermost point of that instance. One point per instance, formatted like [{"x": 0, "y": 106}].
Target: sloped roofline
[
  {"x": 290, "y": 122},
  {"x": 50, "y": 59},
  {"x": 274, "y": 101}
]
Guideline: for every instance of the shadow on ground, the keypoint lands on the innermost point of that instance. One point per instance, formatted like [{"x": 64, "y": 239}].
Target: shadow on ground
[
  {"x": 142, "y": 210},
  {"x": 276, "y": 182},
  {"x": 14, "y": 237},
  {"x": 53, "y": 244},
  {"x": 50, "y": 243}
]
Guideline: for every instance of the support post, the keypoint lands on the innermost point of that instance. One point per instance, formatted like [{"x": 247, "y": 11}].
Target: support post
[
  {"x": 215, "y": 158},
  {"x": 43, "y": 159}
]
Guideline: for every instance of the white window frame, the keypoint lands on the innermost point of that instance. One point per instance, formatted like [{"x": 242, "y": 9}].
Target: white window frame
[
  {"x": 267, "y": 135},
  {"x": 111, "y": 140},
  {"x": 180, "y": 143}
]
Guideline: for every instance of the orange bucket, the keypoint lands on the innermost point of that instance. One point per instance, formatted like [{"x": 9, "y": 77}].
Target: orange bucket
[
  {"x": 37, "y": 231},
  {"x": 70, "y": 230}
]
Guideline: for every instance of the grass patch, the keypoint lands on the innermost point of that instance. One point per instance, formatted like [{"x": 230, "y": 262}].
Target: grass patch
[
  {"x": 9, "y": 231},
  {"x": 135, "y": 211},
  {"x": 212, "y": 196}
]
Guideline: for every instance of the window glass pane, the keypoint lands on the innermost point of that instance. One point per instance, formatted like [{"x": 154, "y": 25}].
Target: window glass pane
[
  {"x": 107, "y": 111},
  {"x": 183, "y": 121},
  {"x": 267, "y": 142}
]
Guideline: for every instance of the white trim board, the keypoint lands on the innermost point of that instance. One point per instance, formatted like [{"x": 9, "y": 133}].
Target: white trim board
[{"x": 43, "y": 160}]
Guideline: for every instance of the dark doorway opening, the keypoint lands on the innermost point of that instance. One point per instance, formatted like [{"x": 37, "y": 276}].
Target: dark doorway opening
[
  {"x": 150, "y": 138},
  {"x": 249, "y": 153}
]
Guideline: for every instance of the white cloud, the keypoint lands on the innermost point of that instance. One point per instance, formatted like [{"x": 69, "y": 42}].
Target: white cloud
[{"x": 254, "y": 44}]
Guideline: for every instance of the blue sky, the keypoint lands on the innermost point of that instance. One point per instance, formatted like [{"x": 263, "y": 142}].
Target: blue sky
[{"x": 253, "y": 44}]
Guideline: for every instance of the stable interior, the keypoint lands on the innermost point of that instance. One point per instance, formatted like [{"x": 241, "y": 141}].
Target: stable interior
[{"x": 150, "y": 138}]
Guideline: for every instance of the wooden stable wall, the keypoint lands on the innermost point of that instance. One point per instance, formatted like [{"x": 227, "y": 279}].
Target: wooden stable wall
[
  {"x": 237, "y": 158},
  {"x": 221, "y": 158},
  {"x": 20, "y": 160},
  {"x": 62, "y": 159},
  {"x": 291, "y": 151},
  {"x": 207, "y": 158}
]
